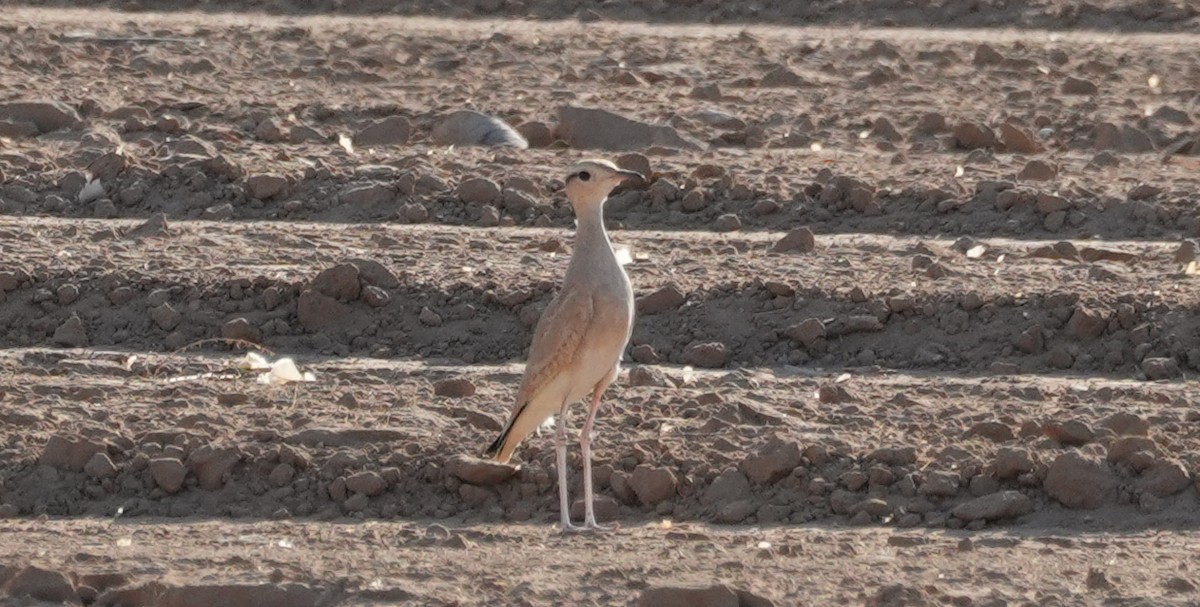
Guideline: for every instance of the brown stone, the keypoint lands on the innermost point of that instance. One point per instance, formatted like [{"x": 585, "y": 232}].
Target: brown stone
[
  {"x": 69, "y": 452},
  {"x": 1078, "y": 86},
  {"x": 1086, "y": 323},
  {"x": 1017, "y": 139},
  {"x": 317, "y": 311},
  {"x": 711, "y": 355},
  {"x": 1080, "y": 482},
  {"x": 393, "y": 130},
  {"x": 663, "y": 299},
  {"x": 341, "y": 282},
  {"x": 970, "y": 136},
  {"x": 455, "y": 387},
  {"x": 807, "y": 332},
  {"x": 168, "y": 473},
  {"x": 211, "y": 464},
  {"x": 775, "y": 461},
  {"x": 1037, "y": 170},
  {"x": 800, "y": 240},
  {"x": 652, "y": 485},
  {"x": 482, "y": 472}
]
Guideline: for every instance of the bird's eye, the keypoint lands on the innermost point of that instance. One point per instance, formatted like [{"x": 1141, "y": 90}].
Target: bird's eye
[{"x": 584, "y": 175}]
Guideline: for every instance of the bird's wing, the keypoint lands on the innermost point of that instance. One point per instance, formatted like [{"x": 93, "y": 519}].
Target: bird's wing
[{"x": 557, "y": 341}]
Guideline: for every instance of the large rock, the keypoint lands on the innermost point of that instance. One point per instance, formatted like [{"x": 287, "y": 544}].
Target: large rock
[
  {"x": 1124, "y": 423},
  {"x": 1078, "y": 86},
  {"x": 369, "y": 194},
  {"x": 1070, "y": 432},
  {"x": 71, "y": 333},
  {"x": 652, "y": 485},
  {"x": 156, "y": 225},
  {"x": 100, "y": 466},
  {"x": 69, "y": 452},
  {"x": 992, "y": 430},
  {"x": 1086, "y": 323},
  {"x": 45, "y": 115},
  {"x": 168, "y": 473},
  {"x": 240, "y": 329},
  {"x": 212, "y": 464},
  {"x": 478, "y": 190},
  {"x": 1002, "y": 505},
  {"x": 729, "y": 486},
  {"x": 1046, "y": 204},
  {"x": 1165, "y": 477},
  {"x": 41, "y": 585},
  {"x": 1136, "y": 451},
  {"x": 736, "y": 511},
  {"x": 538, "y": 134},
  {"x": 339, "y": 282},
  {"x": 210, "y": 593},
  {"x": 677, "y": 596},
  {"x": 986, "y": 55},
  {"x": 775, "y": 461},
  {"x": 482, "y": 472},
  {"x": 107, "y": 166},
  {"x": 1080, "y": 482},
  {"x": 17, "y": 129},
  {"x": 783, "y": 77},
  {"x": 317, "y": 311},
  {"x": 1017, "y": 139},
  {"x": 807, "y": 331},
  {"x": 454, "y": 387},
  {"x": 393, "y": 130},
  {"x": 1157, "y": 368},
  {"x": 800, "y": 240},
  {"x": 941, "y": 483},
  {"x": 466, "y": 127},
  {"x": 898, "y": 595},
  {"x": 1129, "y": 139},
  {"x": 1011, "y": 462},
  {"x": 711, "y": 355},
  {"x": 591, "y": 128},
  {"x": 664, "y": 299},
  {"x": 11, "y": 281},
  {"x": 374, "y": 273},
  {"x": 368, "y": 483},
  {"x": 971, "y": 135},
  {"x": 165, "y": 316},
  {"x": 718, "y": 595},
  {"x": 262, "y": 187}
]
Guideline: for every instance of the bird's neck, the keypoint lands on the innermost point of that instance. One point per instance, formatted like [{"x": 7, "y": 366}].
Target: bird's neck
[{"x": 590, "y": 232}]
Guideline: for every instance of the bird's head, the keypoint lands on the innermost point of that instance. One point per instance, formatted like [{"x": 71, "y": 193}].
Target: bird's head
[{"x": 590, "y": 182}]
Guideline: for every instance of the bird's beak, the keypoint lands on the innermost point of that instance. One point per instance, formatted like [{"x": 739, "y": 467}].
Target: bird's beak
[{"x": 627, "y": 176}]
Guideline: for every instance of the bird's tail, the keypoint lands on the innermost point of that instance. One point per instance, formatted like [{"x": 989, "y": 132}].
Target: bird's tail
[
  {"x": 501, "y": 450},
  {"x": 493, "y": 451},
  {"x": 520, "y": 425}
]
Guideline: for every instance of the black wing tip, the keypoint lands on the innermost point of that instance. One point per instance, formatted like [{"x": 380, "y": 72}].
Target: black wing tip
[{"x": 494, "y": 449}]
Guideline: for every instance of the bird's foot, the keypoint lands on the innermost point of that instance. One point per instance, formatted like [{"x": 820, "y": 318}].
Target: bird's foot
[
  {"x": 598, "y": 528},
  {"x": 589, "y": 527}
]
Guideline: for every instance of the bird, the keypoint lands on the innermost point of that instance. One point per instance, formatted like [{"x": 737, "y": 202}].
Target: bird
[{"x": 580, "y": 338}]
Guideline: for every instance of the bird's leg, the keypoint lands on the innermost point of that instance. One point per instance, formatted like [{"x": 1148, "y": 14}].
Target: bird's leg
[
  {"x": 585, "y": 445},
  {"x": 560, "y": 446}
]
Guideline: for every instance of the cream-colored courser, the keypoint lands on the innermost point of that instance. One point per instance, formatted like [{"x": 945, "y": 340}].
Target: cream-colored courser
[{"x": 579, "y": 340}]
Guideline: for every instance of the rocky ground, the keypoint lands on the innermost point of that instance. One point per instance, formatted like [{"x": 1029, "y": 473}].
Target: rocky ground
[{"x": 917, "y": 309}]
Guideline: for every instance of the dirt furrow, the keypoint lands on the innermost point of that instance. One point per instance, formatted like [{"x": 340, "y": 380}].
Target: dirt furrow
[
  {"x": 366, "y": 439},
  {"x": 420, "y": 564},
  {"x": 1083, "y": 148},
  {"x": 396, "y": 292}
]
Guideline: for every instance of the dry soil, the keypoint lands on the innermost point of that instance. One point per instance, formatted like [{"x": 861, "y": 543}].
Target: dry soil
[{"x": 917, "y": 308}]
